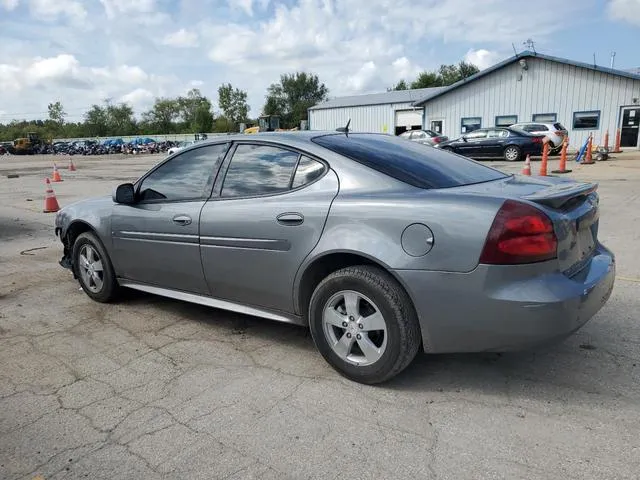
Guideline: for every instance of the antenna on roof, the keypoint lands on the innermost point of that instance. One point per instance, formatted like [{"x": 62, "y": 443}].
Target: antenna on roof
[
  {"x": 514, "y": 49},
  {"x": 344, "y": 130},
  {"x": 530, "y": 44}
]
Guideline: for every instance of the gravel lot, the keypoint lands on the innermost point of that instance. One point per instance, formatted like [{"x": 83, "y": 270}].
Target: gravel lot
[{"x": 154, "y": 388}]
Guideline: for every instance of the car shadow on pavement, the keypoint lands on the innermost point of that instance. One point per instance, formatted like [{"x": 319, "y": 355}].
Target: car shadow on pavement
[{"x": 572, "y": 370}]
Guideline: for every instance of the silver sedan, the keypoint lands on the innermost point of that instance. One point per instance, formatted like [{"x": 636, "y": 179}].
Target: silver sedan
[{"x": 380, "y": 246}]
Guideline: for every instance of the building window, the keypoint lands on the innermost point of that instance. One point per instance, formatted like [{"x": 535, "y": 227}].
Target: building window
[
  {"x": 506, "y": 120},
  {"x": 586, "y": 120},
  {"x": 544, "y": 117},
  {"x": 470, "y": 124}
]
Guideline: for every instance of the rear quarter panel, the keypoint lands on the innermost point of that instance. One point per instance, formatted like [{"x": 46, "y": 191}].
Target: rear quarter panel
[{"x": 373, "y": 226}]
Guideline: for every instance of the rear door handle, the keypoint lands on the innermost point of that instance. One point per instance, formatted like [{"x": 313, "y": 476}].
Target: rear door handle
[
  {"x": 182, "y": 220},
  {"x": 290, "y": 219}
]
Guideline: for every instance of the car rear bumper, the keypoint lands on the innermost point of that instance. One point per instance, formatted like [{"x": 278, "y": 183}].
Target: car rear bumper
[{"x": 506, "y": 308}]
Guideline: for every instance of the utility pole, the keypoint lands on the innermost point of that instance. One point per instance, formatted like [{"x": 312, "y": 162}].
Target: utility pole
[{"x": 613, "y": 59}]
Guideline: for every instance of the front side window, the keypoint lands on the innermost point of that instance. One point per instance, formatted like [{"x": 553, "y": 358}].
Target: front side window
[
  {"x": 586, "y": 120},
  {"x": 259, "y": 170},
  {"x": 188, "y": 176},
  {"x": 470, "y": 124}
]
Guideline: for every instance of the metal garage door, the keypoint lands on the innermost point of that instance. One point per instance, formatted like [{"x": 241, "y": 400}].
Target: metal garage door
[{"x": 407, "y": 120}]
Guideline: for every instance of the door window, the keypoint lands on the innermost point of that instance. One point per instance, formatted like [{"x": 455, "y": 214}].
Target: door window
[
  {"x": 308, "y": 171},
  {"x": 498, "y": 133},
  {"x": 188, "y": 176},
  {"x": 418, "y": 135},
  {"x": 476, "y": 135},
  {"x": 259, "y": 170}
]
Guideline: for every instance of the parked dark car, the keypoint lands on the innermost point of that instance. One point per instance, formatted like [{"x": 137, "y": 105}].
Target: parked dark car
[
  {"x": 511, "y": 144},
  {"x": 426, "y": 137}
]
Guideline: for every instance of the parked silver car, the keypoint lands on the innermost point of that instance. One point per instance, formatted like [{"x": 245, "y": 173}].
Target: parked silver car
[
  {"x": 426, "y": 137},
  {"x": 380, "y": 245}
]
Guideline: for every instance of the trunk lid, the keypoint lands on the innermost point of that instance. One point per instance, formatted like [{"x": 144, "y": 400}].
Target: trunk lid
[{"x": 573, "y": 207}]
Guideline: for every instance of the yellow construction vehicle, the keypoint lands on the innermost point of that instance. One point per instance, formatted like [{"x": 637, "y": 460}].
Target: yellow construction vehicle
[
  {"x": 26, "y": 145},
  {"x": 268, "y": 123}
]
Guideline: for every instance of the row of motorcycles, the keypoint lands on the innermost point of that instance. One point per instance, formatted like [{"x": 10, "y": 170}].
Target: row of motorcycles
[{"x": 95, "y": 148}]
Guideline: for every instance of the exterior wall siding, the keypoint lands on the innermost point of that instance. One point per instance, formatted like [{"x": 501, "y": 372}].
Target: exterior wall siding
[
  {"x": 367, "y": 118},
  {"x": 546, "y": 87}
]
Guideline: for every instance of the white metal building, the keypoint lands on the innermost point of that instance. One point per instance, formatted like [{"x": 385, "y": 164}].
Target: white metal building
[
  {"x": 532, "y": 87},
  {"x": 389, "y": 112}
]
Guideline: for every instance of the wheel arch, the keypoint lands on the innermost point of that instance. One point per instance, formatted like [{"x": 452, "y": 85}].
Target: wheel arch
[{"x": 323, "y": 265}]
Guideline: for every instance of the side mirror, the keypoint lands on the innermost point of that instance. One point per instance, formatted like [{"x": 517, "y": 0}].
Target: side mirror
[{"x": 124, "y": 194}]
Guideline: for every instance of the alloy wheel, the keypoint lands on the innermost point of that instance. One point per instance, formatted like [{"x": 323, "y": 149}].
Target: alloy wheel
[
  {"x": 354, "y": 328},
  {"x": 91, "y": 268}
]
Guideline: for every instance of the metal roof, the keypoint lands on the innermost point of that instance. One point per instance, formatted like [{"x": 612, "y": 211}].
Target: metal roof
[
  {"x": 526, "y": 54},
  {"x": 394, "y": 96}
]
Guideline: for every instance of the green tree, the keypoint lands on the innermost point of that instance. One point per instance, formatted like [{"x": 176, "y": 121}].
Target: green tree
[
  {"x": 233, "y": 103},
  {"x": 293, "y": 96},
  {"x": 446, "y": 75},
  {"x": 192, "y": 110},
  {"x": 96, "y": 121},
  {"x": 162, "y": 116},
  {"x": 120, "y": 120},
  {"x": 56, "y": 113},
  {"x": 401, "y": 85}
]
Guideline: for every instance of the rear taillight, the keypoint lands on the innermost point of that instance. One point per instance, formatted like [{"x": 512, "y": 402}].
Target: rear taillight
[
  {"x": 437, "y": 139},
  {"x": 537, "y": 139},
  {"x": 520, "y": 233}
]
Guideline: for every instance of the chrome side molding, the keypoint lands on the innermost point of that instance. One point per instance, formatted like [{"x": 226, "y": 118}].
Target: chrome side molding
[{"x": 213, "y": 302}]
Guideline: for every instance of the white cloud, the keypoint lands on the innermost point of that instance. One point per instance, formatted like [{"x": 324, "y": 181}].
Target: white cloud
[
  {"x": 113, "y": 8},
  {"x": 483, "y": 58},
  {"x": 139, "y": 99},
  {"x": 181, "y": 39},
  {"x": 355, "y": 46},
  {"x": 246, "y": 5},
  {"x": 625, "y": 10},
  {"x": 9, "y": 4}
]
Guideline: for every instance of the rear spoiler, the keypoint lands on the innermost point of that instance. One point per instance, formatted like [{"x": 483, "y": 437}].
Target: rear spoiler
[{"x": 557, "y": 195}]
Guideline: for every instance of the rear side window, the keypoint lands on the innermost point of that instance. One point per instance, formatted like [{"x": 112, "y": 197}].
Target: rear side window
[
  {"x": 559, "y": 126},
  {"x": 308, "y": 171},
  {"x": 409, "y": 162},
  {"x": 259, "y": 170}
]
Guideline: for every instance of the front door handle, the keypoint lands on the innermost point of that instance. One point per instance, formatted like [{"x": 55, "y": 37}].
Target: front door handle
[
  {"x": 290, "y": 219},
  {"x": 182, "y": 220}
]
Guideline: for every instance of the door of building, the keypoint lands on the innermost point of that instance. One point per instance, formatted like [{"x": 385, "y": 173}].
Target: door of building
[{"x": 630, "y": 127}]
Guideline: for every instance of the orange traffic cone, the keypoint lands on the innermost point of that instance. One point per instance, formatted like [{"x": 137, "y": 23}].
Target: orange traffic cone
[
  {"x": 56, "y": 174},
  {"x": 563, "y": 158},
  {"x": 50, "y": 200},
  {"x": 588, "y": 157},
  {"x": 545, "y": 159},
  {"x": 526, "y": 170},
  {"x": 616, "y": 148},
  {"x": 72, "y": 167}
]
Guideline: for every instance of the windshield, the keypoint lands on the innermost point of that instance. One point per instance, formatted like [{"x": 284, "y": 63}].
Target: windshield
[{"x": 409, "y": 162}]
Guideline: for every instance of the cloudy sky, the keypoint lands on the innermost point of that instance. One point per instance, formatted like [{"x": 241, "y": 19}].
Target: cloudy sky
[{"x": 82, "y": 51}]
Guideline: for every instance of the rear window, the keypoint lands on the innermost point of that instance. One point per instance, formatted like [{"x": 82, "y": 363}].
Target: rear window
[{"x": 418, "y": 165}]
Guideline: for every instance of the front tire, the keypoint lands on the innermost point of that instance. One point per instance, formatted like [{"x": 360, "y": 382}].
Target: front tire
[
  {"x": 364, "y": 324},
  {"x": 92, "y": 267},
  {"x": 512, "y": 153}
]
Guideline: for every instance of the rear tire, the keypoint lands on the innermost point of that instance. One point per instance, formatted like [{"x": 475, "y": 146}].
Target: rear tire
[
  {"x": 93, "y": 268},
  {"x": 364, "y": 324},
  {"x": 512, "y": 153}
]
